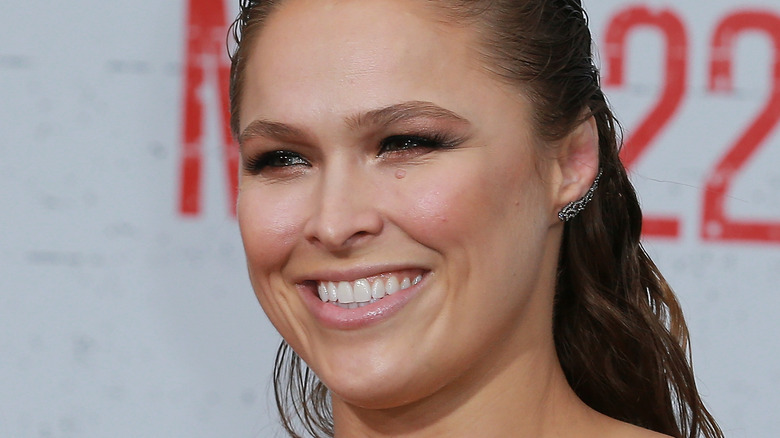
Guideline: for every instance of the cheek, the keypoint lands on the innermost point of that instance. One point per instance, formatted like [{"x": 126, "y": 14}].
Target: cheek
[
  {"x": 461, "y": 203},
  {"x": 269, "y": 223}
]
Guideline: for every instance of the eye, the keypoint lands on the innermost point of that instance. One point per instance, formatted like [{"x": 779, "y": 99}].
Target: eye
[
  {"x": 409, "y": 143},
  {"x": 274, "y": 160}
]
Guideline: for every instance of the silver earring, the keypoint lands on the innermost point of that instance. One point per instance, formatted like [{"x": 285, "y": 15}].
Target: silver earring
[{"x": 574, "y": 208}]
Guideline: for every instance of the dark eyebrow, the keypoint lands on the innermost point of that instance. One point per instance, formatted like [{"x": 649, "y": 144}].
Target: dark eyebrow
[
  {"x": 266, "y": 128},
  {"x": 400, "y": 112},
  {"x": 378, "y": 117}
]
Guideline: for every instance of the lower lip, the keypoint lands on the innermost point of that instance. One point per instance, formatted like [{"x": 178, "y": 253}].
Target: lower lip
[{"x": 335, "y": 317}]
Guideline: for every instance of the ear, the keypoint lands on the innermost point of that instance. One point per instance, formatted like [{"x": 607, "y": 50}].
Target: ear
[{"x": 578, "y": 163}]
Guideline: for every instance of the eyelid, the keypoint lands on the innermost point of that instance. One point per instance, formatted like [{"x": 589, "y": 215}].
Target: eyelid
[
  {"x": 267, "y": 157},
  {"x": 273, "y": 159},
  {"x": 428, "y": 140}
]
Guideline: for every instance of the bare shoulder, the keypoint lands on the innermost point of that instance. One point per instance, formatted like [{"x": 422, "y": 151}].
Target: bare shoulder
[
  {"x": 613, "y": 428},
  {"x": 625, "y": 430}
]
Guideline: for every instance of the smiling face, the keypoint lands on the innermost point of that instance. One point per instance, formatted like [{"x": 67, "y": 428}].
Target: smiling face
[{"x": 397, "y": 212}]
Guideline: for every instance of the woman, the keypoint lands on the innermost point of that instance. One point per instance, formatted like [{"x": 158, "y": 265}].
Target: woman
[{"x": 437, "y": 222}]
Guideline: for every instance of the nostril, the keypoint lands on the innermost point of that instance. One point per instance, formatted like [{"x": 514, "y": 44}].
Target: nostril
[
  {"x": 339, "y": 230},
  {"x": 357, "y": 237}
]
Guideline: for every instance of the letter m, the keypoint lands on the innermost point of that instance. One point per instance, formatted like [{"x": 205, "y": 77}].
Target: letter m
[{"x": 206, "y": 65}]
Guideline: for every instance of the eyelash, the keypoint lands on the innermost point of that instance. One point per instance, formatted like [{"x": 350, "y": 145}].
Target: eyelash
[
  {"x": 392, "y": 145},
  {"x": 411, "y": 142},
  {"x": 274, "y": 159}
]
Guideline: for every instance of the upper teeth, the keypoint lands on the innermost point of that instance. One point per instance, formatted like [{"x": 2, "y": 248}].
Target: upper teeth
[{"x": 353, "y": 294}]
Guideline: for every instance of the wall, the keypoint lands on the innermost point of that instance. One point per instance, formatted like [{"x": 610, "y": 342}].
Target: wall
[{"x": 124, "y": 305}]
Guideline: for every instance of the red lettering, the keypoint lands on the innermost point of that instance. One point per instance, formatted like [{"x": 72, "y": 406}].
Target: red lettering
[
  {"x": 716, "y": 224},
  {"x": 206, "y": 31},
  {"x": 673, "y": 29}
]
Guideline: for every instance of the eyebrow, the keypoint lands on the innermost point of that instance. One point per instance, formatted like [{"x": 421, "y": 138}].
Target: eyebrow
[
  {"x": 400, "y": 112},
  {"x": 267, "y": 128},
  {"x": 378, "y": 117}
]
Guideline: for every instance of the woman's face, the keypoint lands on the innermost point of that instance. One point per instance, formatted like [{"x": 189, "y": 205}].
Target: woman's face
[{"x": 377, "y": 150}]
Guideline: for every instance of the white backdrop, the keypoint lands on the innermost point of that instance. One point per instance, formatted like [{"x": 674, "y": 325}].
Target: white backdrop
[{"x": 124, "y": 305}]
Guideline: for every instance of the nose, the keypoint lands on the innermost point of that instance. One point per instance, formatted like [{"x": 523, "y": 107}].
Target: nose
[{"x": 345, "y": 213}]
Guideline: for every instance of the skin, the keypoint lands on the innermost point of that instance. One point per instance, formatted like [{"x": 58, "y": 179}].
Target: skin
[{"x": 472, "y": 353}]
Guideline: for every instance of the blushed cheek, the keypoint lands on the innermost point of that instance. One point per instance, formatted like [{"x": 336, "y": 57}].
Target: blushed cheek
[
  {"x": 445, "y": 207},
  {"x": 269, "y": 229},
  {"x": 459, "y": 206}
]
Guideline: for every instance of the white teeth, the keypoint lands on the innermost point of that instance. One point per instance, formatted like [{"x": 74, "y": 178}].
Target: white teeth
[
  {"x": 352, "y": 305},
  {"x": 392, "y": 285},
  {"x": 345, "y": 293},
  {"x": 323, "y": 291},
  {"x": 362, "y": 291},
  {"x": 377, "y": 289},
  {"x": 351, "y": 295},
  {"x": 332, "y": 293}
]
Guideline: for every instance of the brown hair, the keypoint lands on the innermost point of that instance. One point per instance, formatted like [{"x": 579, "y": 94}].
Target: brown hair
[{"x": 619, "y": 331}]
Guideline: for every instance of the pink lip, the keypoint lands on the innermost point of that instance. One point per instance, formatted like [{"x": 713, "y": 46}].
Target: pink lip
[{"x": 335, "y": 317}]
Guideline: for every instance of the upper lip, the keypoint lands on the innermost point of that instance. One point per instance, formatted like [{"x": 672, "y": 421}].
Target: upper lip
[{"x": 356, "y": 273}]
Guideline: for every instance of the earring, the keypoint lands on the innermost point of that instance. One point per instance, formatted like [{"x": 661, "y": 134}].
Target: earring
[{"x": 574, "y": 208}]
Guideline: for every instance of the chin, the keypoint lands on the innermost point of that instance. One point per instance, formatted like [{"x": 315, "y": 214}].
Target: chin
[
  {"x": 385, "y": 386},
  {"x": 386, "y": 393}
]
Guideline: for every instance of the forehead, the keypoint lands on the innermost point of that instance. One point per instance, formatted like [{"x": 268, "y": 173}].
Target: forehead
[
  {"x": 324, "y": 26},
  {"x": 348, "y": 53}
]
